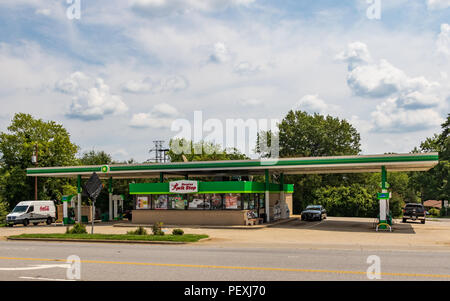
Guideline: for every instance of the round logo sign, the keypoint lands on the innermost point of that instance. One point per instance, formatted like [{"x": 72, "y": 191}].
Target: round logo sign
[{"x": 105, "y": 168}]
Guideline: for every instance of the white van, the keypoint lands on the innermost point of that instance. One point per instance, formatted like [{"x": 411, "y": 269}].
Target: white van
[{"x": 35, "y": 212}]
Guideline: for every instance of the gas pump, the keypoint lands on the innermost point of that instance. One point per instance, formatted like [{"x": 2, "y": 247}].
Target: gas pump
[
  {"x": 68, "y": 213},
  {"x": 118, "y": 206},
  {"x": 385, "y": 216}
]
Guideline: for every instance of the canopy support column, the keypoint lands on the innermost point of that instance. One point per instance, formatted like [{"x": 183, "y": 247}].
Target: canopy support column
[
  {"x": 161, "y": 177},
  {"x": 110, "y": 190},
  {"x": 79, "y": 198},
  {"x": 267, "y": 196},
  {"x": 283, "y": 198}
]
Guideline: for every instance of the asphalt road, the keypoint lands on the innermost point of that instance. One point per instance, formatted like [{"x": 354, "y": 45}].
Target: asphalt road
[{"x": 46, "y": 261}]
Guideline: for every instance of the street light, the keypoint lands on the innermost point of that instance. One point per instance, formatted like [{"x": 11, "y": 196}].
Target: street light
[{"x": 34, "y": 159}]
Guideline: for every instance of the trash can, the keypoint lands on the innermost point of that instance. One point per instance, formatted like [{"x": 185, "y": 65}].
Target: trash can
[
  {"x": 84, "y": 219},
  {"x": 105, "y": 217}
]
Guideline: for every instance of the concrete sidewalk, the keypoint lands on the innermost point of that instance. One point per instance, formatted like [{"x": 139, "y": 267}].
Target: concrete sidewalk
[{"x": 280, "y": 222}]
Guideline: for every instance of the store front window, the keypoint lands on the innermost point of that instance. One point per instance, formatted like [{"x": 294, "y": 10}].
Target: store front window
[
  {"x": 216, "y": 201},
  {"x": 213, "y": 201},
  {"x": 232, "y": 201},
  {"x": 159, "y": 201},
  {"x": 199, "y": 202},
  {"x": 177, "y": 201}
]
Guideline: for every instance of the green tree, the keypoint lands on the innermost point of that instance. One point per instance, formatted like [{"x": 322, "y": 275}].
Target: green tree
[
  {"x": 434, "y": 184},
  {"x": 93, "y": 157},
  {"x": 201, "y": 151},
  {"x": 17, "y": 145},
  {"x": 303, "y": 135}
]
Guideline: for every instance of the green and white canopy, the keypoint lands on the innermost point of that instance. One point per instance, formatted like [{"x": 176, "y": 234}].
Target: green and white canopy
[{"x": 307, "y": 165}]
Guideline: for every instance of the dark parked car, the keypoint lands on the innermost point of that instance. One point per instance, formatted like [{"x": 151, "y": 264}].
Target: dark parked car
[
  {"x": 414, "y": 212},
  {"x": 127, "y": 214},
  {"x": 314, "y": 212}
]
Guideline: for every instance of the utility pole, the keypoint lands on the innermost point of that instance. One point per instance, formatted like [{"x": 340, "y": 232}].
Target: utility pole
[{"x": 34, "y": 159}]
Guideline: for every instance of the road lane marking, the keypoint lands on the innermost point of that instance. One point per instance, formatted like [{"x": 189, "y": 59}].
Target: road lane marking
[
  {"x": 235, "y": 267},
  {"x": 37, "y": 267}
]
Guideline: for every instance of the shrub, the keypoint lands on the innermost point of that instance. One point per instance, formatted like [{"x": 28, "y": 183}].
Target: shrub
[
  {"x": 177, "y": 232},
  {"x": 157, "y": 228},
  {"x": 138, "y": 231},
  {"x": 434, "y": 212},
  {"x": 78, "y": 228}
]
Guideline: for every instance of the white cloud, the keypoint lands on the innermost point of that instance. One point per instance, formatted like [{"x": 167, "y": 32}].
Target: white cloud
[
  {"x": 43, "y": 11},
  {"x": 160, "y": 8},
  {"x": 443, "y": 41},
  {"x": 413, "y": 103},
  {"x": 165, "y": 85},
  {"x": 160, "y": 117},
  {"x": 138, "y": 86},
  {"x": 312, "y": 104},
  {"x": 220, "y": 53},
  {"x": 250, "y": 102},
  {"x": 369, "y": 79},
  {"x": 91, "y": 97},
  {"x": 356, "y": 54},
  {"x": 246, "y": 68},
  {"x": 438, "y": 4},
  {"x": 391, "y": 117}
]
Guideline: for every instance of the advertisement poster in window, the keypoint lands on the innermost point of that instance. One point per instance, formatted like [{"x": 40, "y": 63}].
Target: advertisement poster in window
[
  {"x": 231, "y": 201},
  {"x": 161, "y": 202},
  {"x": 198, "y": 202},
  {"x": 216, "y": 201},
  {"x": 176, "y": 202},
  {"x": 142, "y": 202}
]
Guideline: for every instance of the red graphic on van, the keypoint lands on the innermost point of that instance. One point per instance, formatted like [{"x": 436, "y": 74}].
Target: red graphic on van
[{"x": 44, "y": 208}]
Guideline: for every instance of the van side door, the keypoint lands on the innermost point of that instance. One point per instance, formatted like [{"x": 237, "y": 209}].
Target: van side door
[{"x": 30, "y": 212}]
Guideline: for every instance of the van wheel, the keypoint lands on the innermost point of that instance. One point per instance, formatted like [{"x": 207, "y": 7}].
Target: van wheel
[
  {"x": 35, "y": 224},
  {"x": 49, "y": 221},
  {"x": 25, "y": 222},
  {"x": 423, "y": 221},
  {"x": 404, "y": 220}
]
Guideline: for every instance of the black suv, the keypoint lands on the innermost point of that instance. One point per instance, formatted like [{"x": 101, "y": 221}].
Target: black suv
[{"x": 415, "y": 212}]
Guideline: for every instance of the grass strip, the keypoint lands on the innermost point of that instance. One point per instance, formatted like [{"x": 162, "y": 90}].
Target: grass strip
[{"x": 169, "y": 237}]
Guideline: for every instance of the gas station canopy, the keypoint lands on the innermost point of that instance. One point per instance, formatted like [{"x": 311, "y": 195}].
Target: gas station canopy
[{"x": 305, "y": 165}]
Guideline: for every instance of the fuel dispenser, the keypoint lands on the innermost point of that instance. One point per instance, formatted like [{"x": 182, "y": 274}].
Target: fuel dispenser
[{"x": 68, "y": 212}]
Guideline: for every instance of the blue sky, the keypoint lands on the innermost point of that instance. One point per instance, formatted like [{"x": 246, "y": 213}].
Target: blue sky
[{"x": 117, "y": 77}]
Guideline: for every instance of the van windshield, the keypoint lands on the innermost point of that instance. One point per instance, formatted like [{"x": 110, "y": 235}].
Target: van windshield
[{"x": 20, "y": 209}]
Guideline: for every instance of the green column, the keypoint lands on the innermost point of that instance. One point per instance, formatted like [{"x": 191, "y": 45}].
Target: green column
[
  {"x": 79, "y": 183},
  {"x": 383, "y": 177},
  {"x": 110, "y": 183},
  {"x": 79, "y": 198},
  {"x": 110, "y": 190},
  {"x": 267, "y": 195},
  {"x": 161, "y": 177}
]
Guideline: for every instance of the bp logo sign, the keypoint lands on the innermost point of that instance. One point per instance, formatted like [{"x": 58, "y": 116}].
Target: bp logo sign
[{"x": 105, "y": 168}]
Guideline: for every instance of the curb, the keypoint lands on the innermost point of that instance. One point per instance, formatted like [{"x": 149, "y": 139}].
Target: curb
[
  {"x": 256, "y": 227},
  {"x": 108, "y": 241}
]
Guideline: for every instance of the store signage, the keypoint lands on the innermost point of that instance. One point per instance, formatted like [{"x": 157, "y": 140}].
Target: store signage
[
  {"x": 383, "y": 196},
  {"x": 183, "y": 186}
]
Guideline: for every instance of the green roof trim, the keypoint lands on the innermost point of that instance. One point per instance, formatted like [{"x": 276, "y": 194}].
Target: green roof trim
[{"x": 242, "y": 164}]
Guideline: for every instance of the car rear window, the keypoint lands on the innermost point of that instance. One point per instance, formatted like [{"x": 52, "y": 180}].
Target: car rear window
[{"x": 418, "y": 207}]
